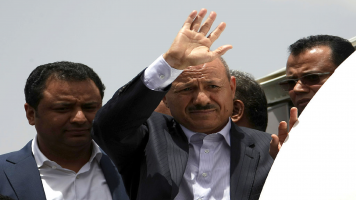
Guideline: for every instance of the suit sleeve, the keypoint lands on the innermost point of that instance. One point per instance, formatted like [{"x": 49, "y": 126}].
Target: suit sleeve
[{"x": 119, "y": 127}]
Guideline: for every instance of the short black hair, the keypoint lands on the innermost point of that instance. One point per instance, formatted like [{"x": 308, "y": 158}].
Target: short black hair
[
  {"x": 340, "y": 47},
  {"x": 64, "y": 70},
  {"x": 252, "y": 95}
]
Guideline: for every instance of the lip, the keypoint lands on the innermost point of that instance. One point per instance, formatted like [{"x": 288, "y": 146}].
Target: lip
[
  {"x": 303, "y": 102},
  {"x": 77, "y": 131},
  {"x": 202, "y": 111}
]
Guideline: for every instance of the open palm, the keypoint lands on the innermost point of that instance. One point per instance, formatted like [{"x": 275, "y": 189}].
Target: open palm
[{"x": 191, "y": 46}]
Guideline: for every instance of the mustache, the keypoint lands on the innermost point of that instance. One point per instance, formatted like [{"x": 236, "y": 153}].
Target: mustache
[{"x": 201, "y": 107}]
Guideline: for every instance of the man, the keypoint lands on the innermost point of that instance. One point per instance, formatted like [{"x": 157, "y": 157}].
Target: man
[
  {"x": 62, "y": 162},
  {"x": 311, "y": 62},
  {"x": 250, "y": 103},
  {"x": 197, "y": 154}
]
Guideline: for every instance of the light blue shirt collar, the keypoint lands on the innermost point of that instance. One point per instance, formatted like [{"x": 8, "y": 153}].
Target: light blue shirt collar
[{"x": 224, "y": 132}]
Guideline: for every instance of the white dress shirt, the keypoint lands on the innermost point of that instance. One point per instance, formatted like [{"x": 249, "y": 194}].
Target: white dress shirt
[
  {"x": 207, "y": 175},
  {"x": 64, "y": 184}
]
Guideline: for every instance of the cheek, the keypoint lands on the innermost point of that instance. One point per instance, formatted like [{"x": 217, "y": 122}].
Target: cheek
[
  {"x": 90, "y": 117},
  {"x": 292, "y": 96},
  {"x": 315, "y": 88}
]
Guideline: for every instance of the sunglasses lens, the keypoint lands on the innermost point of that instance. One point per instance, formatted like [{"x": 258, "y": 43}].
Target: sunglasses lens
[
  {"x": 287, "y": 85},
  {"x": 310, "y": 79}
]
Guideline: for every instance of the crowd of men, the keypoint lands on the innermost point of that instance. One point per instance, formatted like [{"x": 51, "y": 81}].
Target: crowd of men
[{"x": 206, "y": 139}]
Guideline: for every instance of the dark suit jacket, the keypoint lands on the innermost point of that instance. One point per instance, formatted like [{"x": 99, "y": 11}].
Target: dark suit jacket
[
  {"x": 20, "y": 178},
  {"x": 151, "y": 151}
]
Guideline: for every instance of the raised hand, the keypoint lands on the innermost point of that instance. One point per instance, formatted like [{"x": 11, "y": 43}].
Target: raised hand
[
  {"x": 191, "y": 47},
  {"x": 277, "y": 141}
]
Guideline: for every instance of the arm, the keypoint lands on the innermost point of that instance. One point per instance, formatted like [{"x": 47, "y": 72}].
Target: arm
[
  {"x": 119, "y": 127},
  {"x": 277, "y": 141}
]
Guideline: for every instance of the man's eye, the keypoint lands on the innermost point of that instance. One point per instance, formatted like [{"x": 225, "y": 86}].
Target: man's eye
[
  {"x": 89, "y": 108},
  {"x": 61, "y": 109},
  {"x": 186, "y": 89},
  {"x": 311, "y": 77},
  {"x": 213, "y": 86}
]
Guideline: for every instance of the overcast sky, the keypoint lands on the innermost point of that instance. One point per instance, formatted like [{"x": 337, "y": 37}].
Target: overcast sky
[{"x": 120, "y": 38}]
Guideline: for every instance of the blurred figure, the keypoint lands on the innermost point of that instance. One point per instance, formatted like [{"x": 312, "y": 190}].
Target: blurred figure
[
  {"x": 62, "y": 161},
  {"x": 250, "y": 103},
  {"x": 5, "y": 197},
  {"x": 162, "y": 108}
]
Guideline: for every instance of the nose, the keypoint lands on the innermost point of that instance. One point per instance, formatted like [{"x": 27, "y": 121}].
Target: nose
[
  {"x": 79, "y": 117},
  {"x": 300, "y": 87},
  {"x": 202, "y": 98}
]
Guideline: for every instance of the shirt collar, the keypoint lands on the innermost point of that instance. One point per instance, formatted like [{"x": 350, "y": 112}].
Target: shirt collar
[
  {"x": 40, "y": 158},
  {"x": 224, "y": 132}
]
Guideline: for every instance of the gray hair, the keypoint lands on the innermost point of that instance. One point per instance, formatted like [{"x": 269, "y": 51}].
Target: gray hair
[{"x": 226, "y": 67}]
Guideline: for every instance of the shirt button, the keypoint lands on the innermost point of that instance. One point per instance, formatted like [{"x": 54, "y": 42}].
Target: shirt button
[
  {"x": 204, "y": 174},
  {"x": 161, "y": 76},
  {"x": 77, "y": 177},
  {"x": 207, "y": 151}
]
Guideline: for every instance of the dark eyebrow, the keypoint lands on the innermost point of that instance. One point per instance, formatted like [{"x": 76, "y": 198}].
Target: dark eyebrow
[
  {"x": 63, "y": 104},
  {"x": 91, "y": 103},
  {"x": 70, "y": 104},
  {"x": 303, "y": 74},
  {"x": 209, "y": 82},
  {"x": 186, "y": 84}
]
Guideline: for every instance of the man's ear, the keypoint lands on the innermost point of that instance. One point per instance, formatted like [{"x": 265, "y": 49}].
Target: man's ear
[
  {"x": 30, "y": 114},
  {"x": 238, "y": 111},
  {"x": 165, "y": 101}
]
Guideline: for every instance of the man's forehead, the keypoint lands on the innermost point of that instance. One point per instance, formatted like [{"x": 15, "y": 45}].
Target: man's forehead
[
  {"x": 54, "y": 81},
  {"x": 84, "y": 88},
  {"x": 315, "y": 59},
  {"x": 207, "y": 70}
]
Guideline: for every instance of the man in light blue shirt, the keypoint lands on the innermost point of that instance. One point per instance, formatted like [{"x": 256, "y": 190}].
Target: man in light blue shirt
[{"x": 199, "y": 153}]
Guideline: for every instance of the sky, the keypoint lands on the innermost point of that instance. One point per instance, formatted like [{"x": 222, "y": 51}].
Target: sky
[{"x": 118, "y": 39}]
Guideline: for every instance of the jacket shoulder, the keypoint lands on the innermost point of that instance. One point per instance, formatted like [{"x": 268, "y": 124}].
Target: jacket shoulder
[
  {"x": 256, "y": 134},
  {"x": 16, "y": 156}
]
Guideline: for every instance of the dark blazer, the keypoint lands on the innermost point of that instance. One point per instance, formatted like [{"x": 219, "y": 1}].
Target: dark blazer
[
  {"x": 151, "y": 151},
  {"x": 20, "y": 178}
]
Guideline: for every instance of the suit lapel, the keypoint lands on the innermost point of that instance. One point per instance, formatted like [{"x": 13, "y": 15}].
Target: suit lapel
[
  {"x": 177, "y": 150},
  {"x": 24, "y": 175},
  {"x": 110, "y": 174},
  {"x": 243, "y": 166}
]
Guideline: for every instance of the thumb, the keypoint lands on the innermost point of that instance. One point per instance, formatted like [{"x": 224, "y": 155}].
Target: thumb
[{"x": 221, "y": 51}]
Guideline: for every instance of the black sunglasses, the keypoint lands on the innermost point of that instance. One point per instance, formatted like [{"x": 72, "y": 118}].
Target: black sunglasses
[{"x": 309, "y": 79}]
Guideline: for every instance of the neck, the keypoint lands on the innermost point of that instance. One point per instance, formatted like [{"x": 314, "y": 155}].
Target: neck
[
  {"x": 244, "y": 122},
  {"x": 73, "y": 158}
]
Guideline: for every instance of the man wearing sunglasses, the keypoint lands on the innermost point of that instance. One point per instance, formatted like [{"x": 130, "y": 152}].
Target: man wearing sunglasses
[{"x": 311, "y": 62}]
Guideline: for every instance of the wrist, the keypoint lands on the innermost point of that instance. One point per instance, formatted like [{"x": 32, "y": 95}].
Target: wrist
[{"x": 173, "y": 61}]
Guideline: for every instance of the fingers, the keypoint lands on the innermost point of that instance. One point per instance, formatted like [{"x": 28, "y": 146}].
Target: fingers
[
  {"x": 216, "y": 33},
  {"x": 293, "y": 117},
  {"x": 221, "y": 51},
  {"x": 208, "y": 23},
  {"x": 188, "y": 22},
  {"x": 273, "y": 146},
  {"x": 282, "y": 131},
  {"x": 198, "y": 19}
]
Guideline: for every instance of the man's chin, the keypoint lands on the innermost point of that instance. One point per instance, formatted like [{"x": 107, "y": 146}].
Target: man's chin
[{"x": 79, "y": 142}]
